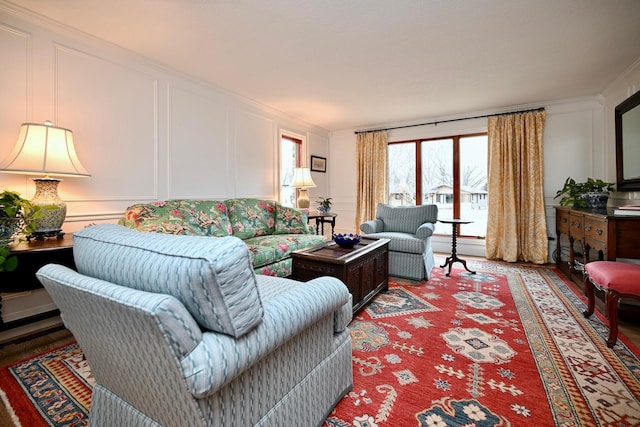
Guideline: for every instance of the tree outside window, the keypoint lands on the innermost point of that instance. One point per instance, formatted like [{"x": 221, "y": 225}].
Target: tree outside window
[{"x": 453, "y": 175}]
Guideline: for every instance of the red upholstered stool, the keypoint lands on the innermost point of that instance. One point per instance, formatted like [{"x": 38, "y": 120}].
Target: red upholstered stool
[{"x": 618, "y": 280}]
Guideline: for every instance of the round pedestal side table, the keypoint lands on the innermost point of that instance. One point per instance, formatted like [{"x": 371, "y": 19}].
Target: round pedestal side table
[{"x": 454, "y": 235}]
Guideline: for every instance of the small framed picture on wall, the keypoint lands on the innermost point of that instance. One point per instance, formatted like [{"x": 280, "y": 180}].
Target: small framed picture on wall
[{"x": 318, "y": 164}]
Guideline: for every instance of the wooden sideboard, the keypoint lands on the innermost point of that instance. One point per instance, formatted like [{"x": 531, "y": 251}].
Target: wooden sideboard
[{"x": 594, "y": 236}]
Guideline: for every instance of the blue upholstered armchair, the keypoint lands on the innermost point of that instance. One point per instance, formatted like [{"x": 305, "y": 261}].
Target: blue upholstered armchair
[
  {"x": 179, "y": 331},
  {"x": 410, "y": 229}
]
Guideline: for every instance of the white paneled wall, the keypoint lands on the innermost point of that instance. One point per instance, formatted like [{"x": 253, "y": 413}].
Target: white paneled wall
[
  {"x": 112, "y": 110},
  {"x": 618, "y": 91},
  {"x": 143, "y": 131},
  {"x": 319, "y": 146},
  {"x": 250, "y": 154},
  {"x": 202, "y": 120}
]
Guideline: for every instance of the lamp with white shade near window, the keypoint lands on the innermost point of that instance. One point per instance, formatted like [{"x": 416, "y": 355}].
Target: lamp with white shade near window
[
  {"x": 302, "y": 180},
  {"x": 49, "y": 150}
]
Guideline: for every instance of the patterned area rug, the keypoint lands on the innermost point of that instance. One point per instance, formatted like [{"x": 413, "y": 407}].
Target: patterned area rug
[
  {"x": 52, "y": 389},
  {"x": 507, "y": 346}
]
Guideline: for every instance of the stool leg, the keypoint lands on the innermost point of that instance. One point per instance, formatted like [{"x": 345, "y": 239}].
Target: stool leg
[
  {"x": 611, "y": 301},
  {"x": 591, "y": 295}
]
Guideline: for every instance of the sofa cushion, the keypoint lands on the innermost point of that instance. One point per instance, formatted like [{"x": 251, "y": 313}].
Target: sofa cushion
[
  {"x": 403, "y": 242},
  {"x": 261, "y": 255},
  {"x": 188, "y": 217},
  {"x": 290, "y": 221},
  {"x": 406, "y": 219},
  {"x": 251, "y": 217},
  {"x": 212, "y": 277},
  {"x": 280, "y": 246}
]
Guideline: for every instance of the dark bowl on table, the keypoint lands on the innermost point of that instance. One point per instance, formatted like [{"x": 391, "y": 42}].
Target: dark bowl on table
[{"x": 346, "y": 240}]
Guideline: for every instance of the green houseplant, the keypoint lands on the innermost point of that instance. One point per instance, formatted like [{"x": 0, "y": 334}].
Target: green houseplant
[
  {"x": 324, "y": 204},
  {"x": 17, "y": 215},
  {"x": 591, "y": 194}
]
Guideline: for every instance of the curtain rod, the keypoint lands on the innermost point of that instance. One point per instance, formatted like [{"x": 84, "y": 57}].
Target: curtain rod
[{"x": 449, "y": 120}]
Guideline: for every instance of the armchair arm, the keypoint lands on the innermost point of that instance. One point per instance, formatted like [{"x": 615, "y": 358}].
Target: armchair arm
[
  {"x": 373, "y": 226},
  {"x": 425, "y": 230},
  {"x": 220, "y": 358}
]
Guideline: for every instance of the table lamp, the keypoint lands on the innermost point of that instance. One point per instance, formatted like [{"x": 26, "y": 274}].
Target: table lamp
[
  {"x": 302, "y": 180},
  {"x": 45, "y": 149}
]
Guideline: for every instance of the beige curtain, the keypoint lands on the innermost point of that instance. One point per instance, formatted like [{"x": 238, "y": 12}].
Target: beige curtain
[
  {"x": 373, "y": 187},
  {"x": 516, "y": 222}
]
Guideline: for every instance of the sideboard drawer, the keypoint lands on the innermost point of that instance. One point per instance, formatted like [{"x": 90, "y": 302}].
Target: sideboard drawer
[
  {"x": 575, "y": 225},
  {"x": 595, "y": 232}
]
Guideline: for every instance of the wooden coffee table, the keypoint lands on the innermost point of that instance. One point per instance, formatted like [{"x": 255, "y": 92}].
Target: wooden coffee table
[{"x": 363, "y": 268}]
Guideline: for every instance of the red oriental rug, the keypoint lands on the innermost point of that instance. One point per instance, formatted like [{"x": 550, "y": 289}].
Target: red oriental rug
[{"x": 507, "y": 346}]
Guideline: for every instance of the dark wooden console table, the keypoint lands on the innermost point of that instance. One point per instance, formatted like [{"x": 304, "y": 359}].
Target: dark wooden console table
[
  {"x": 363, "y": 268},
  {"x": 31, "y": 256},
  {"x": 599, "y": 236}
]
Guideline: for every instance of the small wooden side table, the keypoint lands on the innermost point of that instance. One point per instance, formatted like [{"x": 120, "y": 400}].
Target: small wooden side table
[
  {"x": 31, "y": 256},
  {"x": 454, "y": 235},
  {"x": 323, "y": 218}
]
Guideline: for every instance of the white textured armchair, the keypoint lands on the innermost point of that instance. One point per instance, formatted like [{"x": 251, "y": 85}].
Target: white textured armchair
[
  {"x": 179, "y": 331},
  {"x": 409, "y": 229}
]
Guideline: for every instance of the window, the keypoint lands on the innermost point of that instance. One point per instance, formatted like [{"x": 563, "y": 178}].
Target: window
[
  {"x": 290, "y": 157},
  {"x": 452, "y": 174}
]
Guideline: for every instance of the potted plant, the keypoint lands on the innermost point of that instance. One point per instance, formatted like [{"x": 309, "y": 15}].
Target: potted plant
[
  {"x": 324, "y": 204},
  {"x": 592, "y": 194},
  {"x": 17, "y": 215}
]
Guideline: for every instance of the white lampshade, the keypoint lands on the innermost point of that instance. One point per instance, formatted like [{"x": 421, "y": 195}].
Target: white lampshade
[
  {"x": 44, "y": 149},
  {"x": 302, "y": 180},
  {"x": 49, "y": 150}
]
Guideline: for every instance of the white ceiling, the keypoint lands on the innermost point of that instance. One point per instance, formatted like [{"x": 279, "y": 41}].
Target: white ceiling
[{"x": 344, "y": 64}]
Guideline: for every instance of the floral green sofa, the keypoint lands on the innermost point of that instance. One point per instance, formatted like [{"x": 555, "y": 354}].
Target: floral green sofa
[{"x": 271, "y": 231}]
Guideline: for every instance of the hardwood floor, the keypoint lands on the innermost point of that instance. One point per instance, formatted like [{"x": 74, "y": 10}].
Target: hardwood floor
[{"x": 12, "y": 353}]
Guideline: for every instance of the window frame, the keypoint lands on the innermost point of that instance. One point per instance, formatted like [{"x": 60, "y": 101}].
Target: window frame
[
  {"x": 299, "y": 140},
  {"x": 456, "y": 169}
]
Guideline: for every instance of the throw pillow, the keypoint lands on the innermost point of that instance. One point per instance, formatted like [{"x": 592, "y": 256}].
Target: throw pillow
[
  {"x": 251, "y": 217},
  {"x": 290, "y": 221}
]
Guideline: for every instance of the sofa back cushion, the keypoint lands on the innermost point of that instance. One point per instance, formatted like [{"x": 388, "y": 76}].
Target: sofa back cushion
[
  {"x": 188, "y": 217},
  {"x": 290, "y": 221},
  {"x": 251, "y": 217},
  {"x": 212, "y": 277},
  {"x": 406, "y": 219}
]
